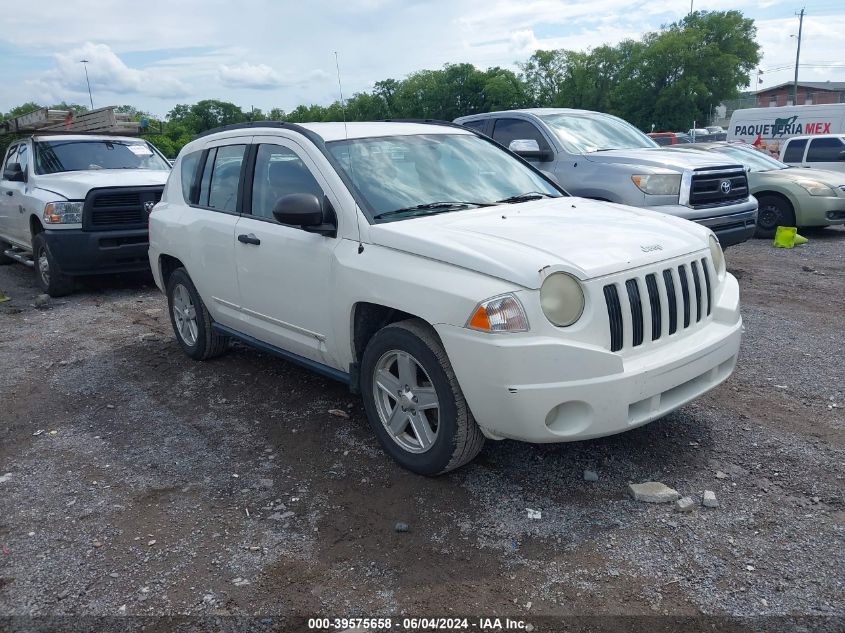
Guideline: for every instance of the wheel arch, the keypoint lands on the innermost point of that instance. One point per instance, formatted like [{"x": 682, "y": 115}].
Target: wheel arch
[
  {"x": 166, "y": 265},
  {"x": 367, "y": 318}
]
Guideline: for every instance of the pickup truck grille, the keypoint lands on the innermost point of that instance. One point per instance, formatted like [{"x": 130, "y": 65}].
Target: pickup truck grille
[
  {"x": 118, "y": 207},
  {"x": 659, "y": 303},
  {"x": 711, "y": 189}
]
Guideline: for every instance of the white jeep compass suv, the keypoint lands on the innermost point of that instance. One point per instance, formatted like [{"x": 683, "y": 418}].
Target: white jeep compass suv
[{"x": 458, "y": 289}]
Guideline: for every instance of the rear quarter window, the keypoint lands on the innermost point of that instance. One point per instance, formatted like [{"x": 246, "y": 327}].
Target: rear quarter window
[{"x": 189, "y": 175}]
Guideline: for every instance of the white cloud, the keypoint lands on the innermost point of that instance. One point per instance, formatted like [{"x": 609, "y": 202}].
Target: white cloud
[
  {"x": 108, "y": 76},
  {"x": 524, "y": 42},
  {"x": 244, "y": 75}
]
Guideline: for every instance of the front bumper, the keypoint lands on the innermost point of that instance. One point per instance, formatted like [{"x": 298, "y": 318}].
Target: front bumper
[
  {"x": 79, "y": 252},
  {"x": 549, "y": 389},
  {"x": 820, "y": 211},
  {"x": 732, "y": 225}
]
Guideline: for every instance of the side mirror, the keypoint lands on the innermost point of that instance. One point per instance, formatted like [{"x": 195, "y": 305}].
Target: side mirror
[
  {"x": 307, "y": 211},
  {"x": 529, "y": 149},
  {"x": 14, "y": 173}
]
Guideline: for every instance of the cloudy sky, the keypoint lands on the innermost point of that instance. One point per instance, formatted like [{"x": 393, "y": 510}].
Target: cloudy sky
[{"x": 280, "y": 53}]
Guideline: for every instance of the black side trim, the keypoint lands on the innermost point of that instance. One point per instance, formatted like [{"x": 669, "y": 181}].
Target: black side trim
[
  {"x": 614, "y": 314},
  {"x": 654, "y": 302},
  {"x": 319, "y": 368},
  {"x": 636, "y": 311},
  {"x": 673, "y": 303}
]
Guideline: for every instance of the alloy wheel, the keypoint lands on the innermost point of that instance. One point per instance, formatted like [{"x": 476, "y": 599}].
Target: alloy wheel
[{"x": 406, "y": 401}]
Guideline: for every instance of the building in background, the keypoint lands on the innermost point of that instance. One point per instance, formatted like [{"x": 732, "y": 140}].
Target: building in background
[{"x": 809, "y": 93}]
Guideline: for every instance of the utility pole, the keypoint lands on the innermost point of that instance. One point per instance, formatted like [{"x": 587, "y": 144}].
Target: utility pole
[
  {"x": 797, "y": 56},
  {"x": 84, "y": 62}
]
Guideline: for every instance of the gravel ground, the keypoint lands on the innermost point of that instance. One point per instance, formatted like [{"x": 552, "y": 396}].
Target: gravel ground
[{"x": 136, "y": 482}]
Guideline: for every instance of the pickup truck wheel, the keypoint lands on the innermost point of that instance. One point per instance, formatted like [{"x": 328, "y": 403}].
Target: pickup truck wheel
[
  {"x": 191, "y": 320},
  {"x": 50, "y": 277},
  {"x": 414, "y": 402},
  {"x": 772, "y": 212}
]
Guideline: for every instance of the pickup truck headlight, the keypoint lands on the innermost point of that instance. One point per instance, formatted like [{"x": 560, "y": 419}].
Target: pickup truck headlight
[
  {"x": 718, "y": 257},
  {"x": 658, "y": 184},
  {"x": 63, "y": 212},
  {"x": 562, "y": 299},
  {"x": 499, "y": 314},
  {"x": 816, "y": 188}
]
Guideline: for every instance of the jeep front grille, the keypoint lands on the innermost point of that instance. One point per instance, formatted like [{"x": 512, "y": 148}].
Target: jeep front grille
[{"x": 658, "y": 303}]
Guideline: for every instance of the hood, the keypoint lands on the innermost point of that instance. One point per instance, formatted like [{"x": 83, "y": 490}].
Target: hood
[
  {"x": 830, "y": 178},
  {"x": 75, "y": 185},
  {"x": 517, "y": 242},
  {"x": 660, "y": 158}
]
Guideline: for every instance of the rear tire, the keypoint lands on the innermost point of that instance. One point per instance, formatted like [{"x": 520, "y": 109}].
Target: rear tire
[
  {"x": 405, "y": 365},
  {"x": 50, "y": 277},
  {"x": 772, "y": 212},
  {"x": 190, "y": 319}
]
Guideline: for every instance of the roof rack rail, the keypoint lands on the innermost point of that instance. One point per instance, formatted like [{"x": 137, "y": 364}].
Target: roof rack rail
[
  {"x": 426, "y": 121},
  {"x": 250, "y": 124}
]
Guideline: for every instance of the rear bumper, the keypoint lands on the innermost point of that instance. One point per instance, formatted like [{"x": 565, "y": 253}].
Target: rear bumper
[{"x": 79, "y": 252}]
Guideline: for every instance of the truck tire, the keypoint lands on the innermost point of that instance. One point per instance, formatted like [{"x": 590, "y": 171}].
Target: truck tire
[
  {"x": 772, "y": 212},
  {"x": 413, "y": 400},
  {"x": 191, "y": 320},
  {"x": 50, "y": 277}
]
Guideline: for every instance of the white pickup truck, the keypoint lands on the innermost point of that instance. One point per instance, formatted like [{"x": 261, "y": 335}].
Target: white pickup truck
[
  {"x": 463, "y": 293},
  {"x": 78, "y": 204}
]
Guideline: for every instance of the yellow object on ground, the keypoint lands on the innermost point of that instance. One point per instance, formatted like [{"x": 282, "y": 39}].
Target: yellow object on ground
[
  {"x": 787, "y": 237},
  {"x": 4, "y": 297}
]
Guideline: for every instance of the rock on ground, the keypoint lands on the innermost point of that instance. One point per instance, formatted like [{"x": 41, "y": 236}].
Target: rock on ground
[{"x": 653, "y": 492}]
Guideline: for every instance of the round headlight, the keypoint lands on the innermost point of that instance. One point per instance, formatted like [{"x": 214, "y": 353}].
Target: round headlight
[
  {"x": 718, "y": 257},
  {"x": 562, "y": 299}
]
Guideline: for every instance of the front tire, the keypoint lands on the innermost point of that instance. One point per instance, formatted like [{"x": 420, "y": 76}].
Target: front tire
[
  {"x": 191, "y": 320},
  {"x": 413, "y": 400},
  {"x": 50, "y": 277},
  {"x": 772, "y": 212}
]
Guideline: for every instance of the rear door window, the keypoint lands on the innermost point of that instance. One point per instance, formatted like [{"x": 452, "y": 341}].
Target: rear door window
[
  {"x": 794, "y": 152},
  {"x": 825, "y": 150},
  {"x": 478, "y": 126},
  {"x": 221, "y": 178}
]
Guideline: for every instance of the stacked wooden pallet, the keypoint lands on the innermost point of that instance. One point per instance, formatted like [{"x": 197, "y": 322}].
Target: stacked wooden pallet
[{"x": 104, "y": 120}]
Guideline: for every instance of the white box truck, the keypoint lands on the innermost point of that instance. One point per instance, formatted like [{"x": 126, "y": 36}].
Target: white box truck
[{"x": 768, "y": 128}]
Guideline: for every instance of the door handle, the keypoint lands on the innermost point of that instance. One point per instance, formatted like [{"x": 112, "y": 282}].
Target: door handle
[{"x": 248, "y": 239}]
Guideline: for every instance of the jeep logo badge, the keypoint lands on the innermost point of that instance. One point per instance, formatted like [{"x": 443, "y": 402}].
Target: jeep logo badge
[
  {"x": 725, "y": 186},
  {"x": 648, "y": 248},
  {"x": 148, "y": 206}
]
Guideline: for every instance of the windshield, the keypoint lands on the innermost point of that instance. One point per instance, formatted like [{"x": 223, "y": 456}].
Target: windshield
[
  {"x": 395, "y": 175},
  {"x": 52, "y": 157},
  {"x": 750, "y": 157},
  {"x": 582, "y": 134}
]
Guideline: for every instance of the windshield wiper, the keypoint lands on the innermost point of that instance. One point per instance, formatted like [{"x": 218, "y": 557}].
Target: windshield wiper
[
  {"x": 526, "y": 197},
  {"x": 435, "y": 207}
]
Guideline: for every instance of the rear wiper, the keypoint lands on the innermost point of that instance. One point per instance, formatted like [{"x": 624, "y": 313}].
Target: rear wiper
[
  {"x": 526, "y": 197},
  {"x": 430, "y": 206}
]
